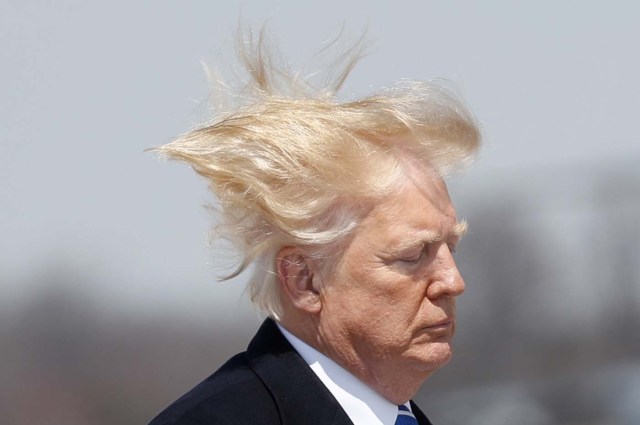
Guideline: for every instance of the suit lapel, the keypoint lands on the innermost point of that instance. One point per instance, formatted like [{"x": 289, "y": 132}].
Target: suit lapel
[{"x": 300, "y": 396}]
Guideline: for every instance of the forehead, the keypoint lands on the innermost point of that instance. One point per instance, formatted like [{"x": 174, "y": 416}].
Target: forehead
[{"x": 421, "y": 205}]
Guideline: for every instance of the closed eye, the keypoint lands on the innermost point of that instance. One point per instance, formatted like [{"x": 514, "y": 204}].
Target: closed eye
[
  {"x": 412, "y": 260},
  {"x": 415, "y": 258}
]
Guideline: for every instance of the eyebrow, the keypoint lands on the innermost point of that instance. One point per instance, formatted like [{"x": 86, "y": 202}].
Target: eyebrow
[
  {"x": 460, "y": 228},
  {"x": 429, "y": 236}
]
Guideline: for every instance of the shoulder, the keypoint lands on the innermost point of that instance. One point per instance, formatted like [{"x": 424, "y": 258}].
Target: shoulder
[{"x": 232, "y": 395}]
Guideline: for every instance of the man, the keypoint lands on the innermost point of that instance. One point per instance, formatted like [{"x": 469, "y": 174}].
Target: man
[{"x": 343, "y": 208}]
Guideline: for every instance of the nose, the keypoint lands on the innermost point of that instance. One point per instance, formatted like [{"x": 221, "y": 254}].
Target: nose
[{"x": 445, "y": 278}]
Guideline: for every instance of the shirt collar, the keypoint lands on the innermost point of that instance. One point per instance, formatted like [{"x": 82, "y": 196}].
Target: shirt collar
[{"x": 362, "y": 404}]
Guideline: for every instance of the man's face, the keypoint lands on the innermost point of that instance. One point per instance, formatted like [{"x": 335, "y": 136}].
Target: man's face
[{"x": 389, "y": 307}]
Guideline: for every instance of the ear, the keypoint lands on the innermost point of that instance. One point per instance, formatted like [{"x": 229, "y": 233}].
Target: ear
[{"x": 296, "y": 276}]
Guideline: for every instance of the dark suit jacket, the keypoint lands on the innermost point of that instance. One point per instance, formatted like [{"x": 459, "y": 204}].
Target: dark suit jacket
[{"x": 269, "y": 384}]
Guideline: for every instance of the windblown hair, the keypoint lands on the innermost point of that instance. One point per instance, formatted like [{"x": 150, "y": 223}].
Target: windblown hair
[{"x": 293, "y": 165}]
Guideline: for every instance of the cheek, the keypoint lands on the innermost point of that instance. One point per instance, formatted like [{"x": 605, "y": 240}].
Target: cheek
[
  {"x": 374, "y": 295},
  {"x": 393, "y": 296}
]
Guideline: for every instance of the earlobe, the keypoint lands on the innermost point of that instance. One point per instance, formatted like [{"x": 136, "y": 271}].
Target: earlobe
[{"x": 296, "y": 278}]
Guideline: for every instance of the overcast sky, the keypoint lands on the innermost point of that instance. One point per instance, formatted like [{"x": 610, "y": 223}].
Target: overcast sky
[{"x": 86, "y": 86}]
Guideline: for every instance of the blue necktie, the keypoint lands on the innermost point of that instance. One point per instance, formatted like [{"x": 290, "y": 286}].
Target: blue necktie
[{"x": 405, "y": 417}]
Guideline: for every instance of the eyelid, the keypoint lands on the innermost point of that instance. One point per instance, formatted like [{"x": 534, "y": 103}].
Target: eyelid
[
  {"x": 415, "y": 260},
  {"x": 411, "y": 255}
]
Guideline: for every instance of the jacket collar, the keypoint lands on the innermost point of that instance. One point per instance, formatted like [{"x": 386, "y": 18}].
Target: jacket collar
[{"x": 300, "y": 396}]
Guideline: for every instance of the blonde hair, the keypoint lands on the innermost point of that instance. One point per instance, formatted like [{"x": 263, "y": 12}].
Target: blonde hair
[{"x": 293, "y": 165}]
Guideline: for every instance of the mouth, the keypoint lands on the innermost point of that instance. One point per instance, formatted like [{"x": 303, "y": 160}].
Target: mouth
[{"x": 443, "y": 325}]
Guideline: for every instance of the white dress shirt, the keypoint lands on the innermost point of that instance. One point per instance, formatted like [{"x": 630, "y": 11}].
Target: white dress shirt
[{"x": 363, "y": 405}]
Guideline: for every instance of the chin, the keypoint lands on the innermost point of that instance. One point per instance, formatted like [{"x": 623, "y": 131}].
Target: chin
[
  {"x": 445, "y": 352},
  {"x": 435, "y": 356},
  {"x": 440, "y": 353}
]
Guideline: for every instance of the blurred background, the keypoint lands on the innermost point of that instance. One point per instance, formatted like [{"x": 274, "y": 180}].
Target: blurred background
[{"x": 109, "y": 304}]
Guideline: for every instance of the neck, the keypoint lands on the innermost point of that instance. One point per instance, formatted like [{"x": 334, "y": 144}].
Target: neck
[{"x": 396, "y": 384}]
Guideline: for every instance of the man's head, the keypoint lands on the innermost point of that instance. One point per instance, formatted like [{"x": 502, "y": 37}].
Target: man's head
[
  {"x": 387, "y": 309},
  {"x": 343, "y": 209},
  {"x": 304, "y": 169}
]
